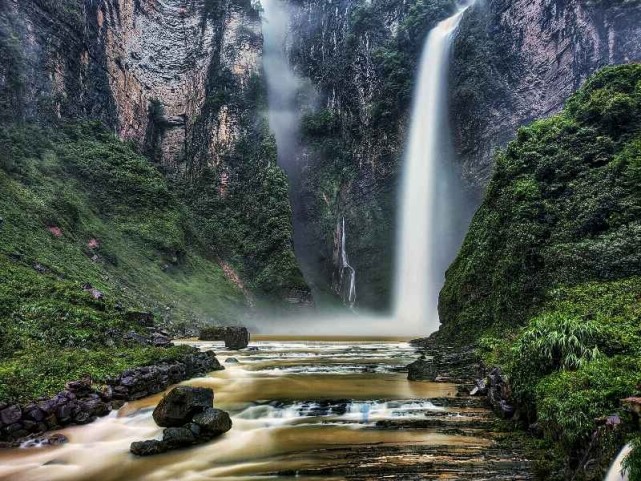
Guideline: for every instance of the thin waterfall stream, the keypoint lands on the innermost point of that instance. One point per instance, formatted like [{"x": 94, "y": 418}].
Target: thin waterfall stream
[{"x": 348, "y": 274}]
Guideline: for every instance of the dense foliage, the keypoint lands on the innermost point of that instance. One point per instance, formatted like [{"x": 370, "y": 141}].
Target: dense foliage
[
  {"x": 240, "y": 204},
  {"x": 552, "y": 263},
  {"x": 81, "y": 208}
]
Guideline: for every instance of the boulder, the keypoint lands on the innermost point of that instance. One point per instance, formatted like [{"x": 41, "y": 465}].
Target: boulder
[
  {"x": 160, "y": 340},
  {"x": 148, "y": 448},
  {"x": 231, "y": 360},
  {"x": 10, "y": 415},
  {"x": 213, "y": 422},
  {"x": 178, "y": 437},
  {"x": 235, "y": 337},
  {"x": 181, "y": 404}
]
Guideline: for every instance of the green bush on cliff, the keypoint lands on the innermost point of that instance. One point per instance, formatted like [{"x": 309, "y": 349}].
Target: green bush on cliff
[
  {"x": 79, "y": 208},
  {"x": 552, "y": 264},
  {"x": 562, "y": 208}
]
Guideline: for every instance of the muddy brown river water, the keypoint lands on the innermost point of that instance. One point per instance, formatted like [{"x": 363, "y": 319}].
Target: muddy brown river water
[{"x": 326, "y": 409}]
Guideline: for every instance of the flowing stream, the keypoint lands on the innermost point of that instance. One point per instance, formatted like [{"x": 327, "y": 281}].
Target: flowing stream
[
  {"x": 430, "y": 207},
  {"x": 304, "y": 407}
]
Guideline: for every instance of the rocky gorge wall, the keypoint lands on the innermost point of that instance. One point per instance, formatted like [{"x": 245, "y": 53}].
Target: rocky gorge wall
[
  {"x": 517, "y": 61},
  {"x": 513, "y": 62},
  {"x": 181, "y": 80}
]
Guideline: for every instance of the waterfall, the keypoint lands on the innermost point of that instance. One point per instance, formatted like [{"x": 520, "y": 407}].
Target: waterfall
[
  {"x": 283, "y": 89},
  {"x": 347, "y": 288},
  {"x": 282, "y": 84},
  {"x": 427, "y": 240},
  {"x": 616, "y": 470}
]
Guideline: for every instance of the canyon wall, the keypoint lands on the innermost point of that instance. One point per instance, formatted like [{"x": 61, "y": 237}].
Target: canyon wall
[
  {"x": 182, "y": 81},
  {"x": 517, "y": 61},
  {"x": 513, "y": 61}
]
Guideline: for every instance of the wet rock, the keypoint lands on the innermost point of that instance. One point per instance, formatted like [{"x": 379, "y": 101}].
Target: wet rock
[
  {"x": 10, "y": 415},
  {"x": 160, "y": 340},
  {"x": 181, "y": 404},
  {"x": 422, "y": 370},
  {"x": 235, "y": 337},
  {"x": 231, "y": 360},
  {"x": 480, "y": 388},
  {"x": 213, "y": 422},
  {"x": 37, "y": 441},
  {"x": 178, "y": 437},
  {"x": 148, "y": 448}
]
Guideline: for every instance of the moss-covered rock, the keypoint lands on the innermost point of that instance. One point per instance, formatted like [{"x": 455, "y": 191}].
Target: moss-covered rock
[{"x": 548, "y": 278}]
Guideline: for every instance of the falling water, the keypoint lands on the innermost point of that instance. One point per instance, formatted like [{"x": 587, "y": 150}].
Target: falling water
[
  {"x": 283, "y": 89},
  {"x": 427, "y": 238},
  {"x": 616, "y": 470},
  {"x": 348, "y": 274},
  {"x": 282, "y": 84}
]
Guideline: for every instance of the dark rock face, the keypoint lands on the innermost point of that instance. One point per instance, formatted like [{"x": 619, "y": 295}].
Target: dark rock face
[
  {"x": 148, "y": 448},
  {"x": 191, "y": 420},
  {"x": 422, "y": 370},
  {"x": 517, "y": 60},
  {"x": 81, "y": 403},
  {"x": 178, "y": 437},
  {"x": 213, "y": 421},
  {"x": 499, "y": 394},
  {"x": 447, "y": 363},
  {"x": 234, "y": 337},
  {"x": 181, "y": 404}
]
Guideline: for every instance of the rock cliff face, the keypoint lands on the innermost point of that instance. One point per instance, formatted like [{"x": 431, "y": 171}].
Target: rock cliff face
[
  {"x": 141, "y": 67},
  {"x": 517, "y": 61},
  {"x": 181, "y": 79},
  {"x": 513, "y": 61}
]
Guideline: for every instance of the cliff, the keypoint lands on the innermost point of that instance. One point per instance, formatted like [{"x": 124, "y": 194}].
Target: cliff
[
  {"x": 180, "y": 80},
  {"x": 513, "y": 62},
  {"x": 516, "y": 61},
  {"x": 547, "y": 281}
]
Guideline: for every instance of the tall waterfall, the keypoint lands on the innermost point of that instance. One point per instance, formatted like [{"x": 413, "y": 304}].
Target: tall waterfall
[
  {"x": 428, "y": 240},
  {"x": 283, "y": 88},
  {"x": 282, "y": 84}
]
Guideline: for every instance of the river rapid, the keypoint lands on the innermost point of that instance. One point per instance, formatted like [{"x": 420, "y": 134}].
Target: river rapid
[{"x": 311, "y": 409}]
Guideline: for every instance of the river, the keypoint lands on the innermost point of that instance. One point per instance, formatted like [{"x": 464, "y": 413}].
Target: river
[{"x": 298, "y": 409}]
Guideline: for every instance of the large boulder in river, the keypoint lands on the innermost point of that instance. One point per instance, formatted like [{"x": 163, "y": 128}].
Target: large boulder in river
[
  {"x": 235, "y": 337},
  {"x": 180, "y": 405},
  {"x": 213, "y": 422},
  {"x": 178, "y": 437}
]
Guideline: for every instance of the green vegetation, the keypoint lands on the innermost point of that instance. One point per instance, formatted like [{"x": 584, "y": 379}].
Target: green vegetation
[
  {"x": 552, "y": 264},
  {"x": 80, "y": 207},
  {"x": 240, "y": 203}
]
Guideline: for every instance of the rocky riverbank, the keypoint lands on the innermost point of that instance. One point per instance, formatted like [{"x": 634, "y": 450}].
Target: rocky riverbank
[{"x": 83, "y": 401}]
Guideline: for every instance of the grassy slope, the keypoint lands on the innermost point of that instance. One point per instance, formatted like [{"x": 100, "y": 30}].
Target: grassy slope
[
  {"x": 552, "y": 262},
  {"x": 91, "y": 186}
]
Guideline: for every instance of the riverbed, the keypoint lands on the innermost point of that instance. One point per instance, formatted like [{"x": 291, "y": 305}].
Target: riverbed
[{"x": 327, "y": 409}]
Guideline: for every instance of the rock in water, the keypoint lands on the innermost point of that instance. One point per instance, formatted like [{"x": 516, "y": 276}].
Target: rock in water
[
  {"x": 178, "y": 437},
  {"x": 213, "y": 422},
  {"x": 234, "y": 337},
  {"x": 422, "y": 370},
  {"x": 148, "y": 448},
  {"x": 181, "y": 404}
]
